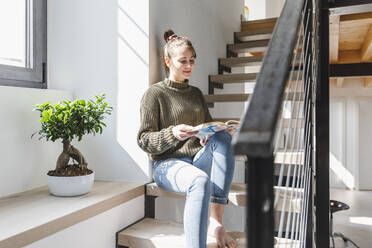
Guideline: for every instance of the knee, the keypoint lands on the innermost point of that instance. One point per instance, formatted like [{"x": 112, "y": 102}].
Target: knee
[{"x": 201, "y": 184}]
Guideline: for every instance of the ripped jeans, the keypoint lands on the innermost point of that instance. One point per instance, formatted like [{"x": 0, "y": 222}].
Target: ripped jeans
[{"x": 205, "y": 177}]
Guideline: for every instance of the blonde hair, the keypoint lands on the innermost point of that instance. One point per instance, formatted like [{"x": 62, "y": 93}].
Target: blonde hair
[{"x": 173, "y": 42}]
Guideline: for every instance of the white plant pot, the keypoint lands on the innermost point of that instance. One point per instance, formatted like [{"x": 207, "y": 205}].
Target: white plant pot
[{"x": 70, "y": 186}]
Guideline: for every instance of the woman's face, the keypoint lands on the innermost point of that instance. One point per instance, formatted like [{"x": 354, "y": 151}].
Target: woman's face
[{"x": 181, "y": 64}]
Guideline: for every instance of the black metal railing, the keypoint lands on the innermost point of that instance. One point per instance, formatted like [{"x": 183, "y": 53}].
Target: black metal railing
[{"x": 283, "y": 129}]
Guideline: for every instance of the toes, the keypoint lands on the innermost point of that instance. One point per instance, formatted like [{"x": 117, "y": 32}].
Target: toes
[{"x": 232, "y": 244}]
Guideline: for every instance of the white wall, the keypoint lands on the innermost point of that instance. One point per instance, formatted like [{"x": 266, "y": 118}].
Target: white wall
[
  {"x": 274, "y": 7},
  {"x": 259, "y": 9},
  {"x": 98, "y": 231},
  {"x": 351, "y": 135},
  {"x": 25, "y": 161},
  {"x": 101, "y": 46}
]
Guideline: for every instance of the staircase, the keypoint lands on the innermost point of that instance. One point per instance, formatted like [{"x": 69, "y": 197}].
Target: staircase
[{"x": 247, "y": 54}]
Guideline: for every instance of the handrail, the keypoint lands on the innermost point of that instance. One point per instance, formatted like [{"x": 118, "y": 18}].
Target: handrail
[{"x": 256, "y": 134}]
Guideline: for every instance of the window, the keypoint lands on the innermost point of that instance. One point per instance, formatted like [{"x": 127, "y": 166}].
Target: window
[{"x": 23, "y": 43}]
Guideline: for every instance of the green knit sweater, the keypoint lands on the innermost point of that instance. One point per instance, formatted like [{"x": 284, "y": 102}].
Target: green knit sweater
[{"x": 163, "y": 106}]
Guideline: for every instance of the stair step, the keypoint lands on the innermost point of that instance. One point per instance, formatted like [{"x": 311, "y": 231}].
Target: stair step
[
  {"x": 254, "y": 34},
  {"x": 237, "y": 195},
  {"x": 233, "y": 78},
  {"x": 226, "y": 119},
  {"x": 289, "y": 158},
  {"x": 249, "y": 46},
  {"x": 226, "y": 98},
  {"x": 257, "y": 48},
  {"x": 287, "y": 123},
  {"x": 153, "y": 233},
  {"x": 247, "y": 61},
  {"x": 241, "y": 61},
  {"x": 246, "y": 78},
  {"x": 285, "y": 158},
  {"x": 243, "y": 97},
  {"x": 258, "y": 24}
]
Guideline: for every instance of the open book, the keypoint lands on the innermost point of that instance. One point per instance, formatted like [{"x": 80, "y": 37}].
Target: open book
[{"x": 208, "y": 129}]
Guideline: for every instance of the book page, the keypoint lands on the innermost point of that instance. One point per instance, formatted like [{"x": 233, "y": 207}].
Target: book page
[{"x": 206, "y": 130}]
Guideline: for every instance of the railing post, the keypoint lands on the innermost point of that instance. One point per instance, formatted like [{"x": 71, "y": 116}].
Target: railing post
[
  {"x": 260, "y": 197},
  {"x": 322, "y": 125}
]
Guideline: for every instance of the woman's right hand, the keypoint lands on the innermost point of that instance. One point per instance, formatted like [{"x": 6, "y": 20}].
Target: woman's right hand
[{"x": 183, "y": 132}]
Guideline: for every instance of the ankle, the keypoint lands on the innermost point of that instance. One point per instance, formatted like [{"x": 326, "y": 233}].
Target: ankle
[{"x": 214, "y": 222}]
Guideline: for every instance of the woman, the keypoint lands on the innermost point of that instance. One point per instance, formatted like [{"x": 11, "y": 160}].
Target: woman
[{"x": 183, "y": 164}]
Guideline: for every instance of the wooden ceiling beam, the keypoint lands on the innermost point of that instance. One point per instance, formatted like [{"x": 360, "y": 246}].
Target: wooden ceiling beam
[
  {"x": 350, "y": 70},
  {"x": 366, "y": 51},
  {"x": 334, "y": 34}
]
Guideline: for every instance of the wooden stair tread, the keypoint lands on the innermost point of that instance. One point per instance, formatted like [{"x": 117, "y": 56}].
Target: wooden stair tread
[
  {"x": 244, "y": 97},
  {"x": 245, "y": 61},
  {"x": 237, "y": 195},
  {"x": 287, "y": 123},
  {"x": 259, "y": 21},
  {"x": 289, "y": 158},
  {"x": 258, "y": 24},
  {"x": 153, "y": 233},
  {"x": 226, "y": 98},
  {"x": 226, "y": 119},
  {"x": 254, "y": 34},
  {"x": 249, "y": 46},
  {"x": 233, "y": 78},
  {"x": 241, "y": 61},
  {"x": 248, "y": 77},
  {"x": 255, "y": 46},
  {"x": 285, "y": 158}
]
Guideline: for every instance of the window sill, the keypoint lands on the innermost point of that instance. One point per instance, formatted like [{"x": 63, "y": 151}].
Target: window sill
[{"x": 32, "y": 215}]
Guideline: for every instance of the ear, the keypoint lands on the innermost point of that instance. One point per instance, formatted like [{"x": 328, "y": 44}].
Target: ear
[{"x": 167, "y": 61}]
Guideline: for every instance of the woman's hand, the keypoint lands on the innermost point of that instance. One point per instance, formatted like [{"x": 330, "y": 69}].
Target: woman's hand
[
  {"x": 183, "y": 132},
  {"x": 230, "y": 130}
]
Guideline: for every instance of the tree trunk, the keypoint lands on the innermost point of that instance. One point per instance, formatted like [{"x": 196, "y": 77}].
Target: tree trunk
[{"x": 69, "y": 151}]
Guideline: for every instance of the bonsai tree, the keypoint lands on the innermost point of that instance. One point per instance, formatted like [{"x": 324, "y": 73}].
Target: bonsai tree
[{"x": 67, "y": 121}]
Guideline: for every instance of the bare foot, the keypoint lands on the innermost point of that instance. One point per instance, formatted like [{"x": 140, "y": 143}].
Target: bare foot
[{"x": 223, "y": 239}]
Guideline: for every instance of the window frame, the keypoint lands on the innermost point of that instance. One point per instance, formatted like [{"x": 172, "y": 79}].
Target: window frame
[{"x": 31, "y": 77}]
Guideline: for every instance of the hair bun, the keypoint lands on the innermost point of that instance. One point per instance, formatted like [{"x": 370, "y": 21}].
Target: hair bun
[{"x": 168, "y": 34}]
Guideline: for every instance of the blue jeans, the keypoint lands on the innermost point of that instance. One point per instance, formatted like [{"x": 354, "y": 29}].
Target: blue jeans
[{"x": 205, "y": 177}]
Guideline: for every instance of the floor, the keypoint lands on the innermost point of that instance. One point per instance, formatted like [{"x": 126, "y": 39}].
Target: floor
[{"x": 355, "y": 223}]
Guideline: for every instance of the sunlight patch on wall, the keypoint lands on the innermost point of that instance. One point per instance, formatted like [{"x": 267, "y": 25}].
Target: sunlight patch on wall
[
  {"x": 133, "y": 73},
  {"x": 341, "y": 172}
]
